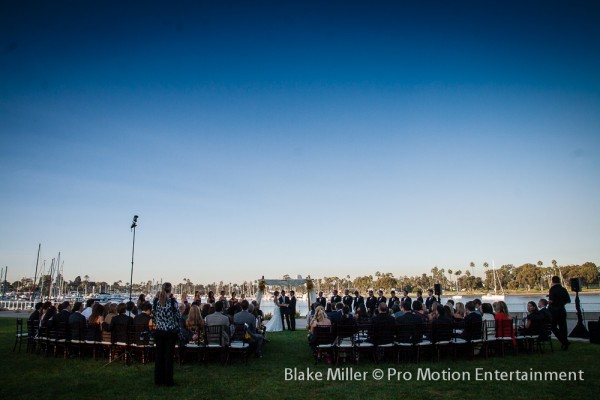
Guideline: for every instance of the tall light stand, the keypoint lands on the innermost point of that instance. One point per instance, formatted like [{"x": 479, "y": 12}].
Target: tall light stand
[{"x": 133, "y": 226}]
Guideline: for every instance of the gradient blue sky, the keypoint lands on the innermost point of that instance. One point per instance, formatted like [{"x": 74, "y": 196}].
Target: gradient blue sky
[{"x": 322, "y": 138}]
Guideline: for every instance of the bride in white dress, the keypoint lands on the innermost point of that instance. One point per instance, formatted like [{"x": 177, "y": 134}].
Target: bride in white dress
[{"x": 275, "y": 324}]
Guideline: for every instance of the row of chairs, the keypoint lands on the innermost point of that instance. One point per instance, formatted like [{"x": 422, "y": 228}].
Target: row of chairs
[
  {"x": 214, "y": 342},
  {"x": 410, "y": 341},
  {"x": 127, "y": 341}
]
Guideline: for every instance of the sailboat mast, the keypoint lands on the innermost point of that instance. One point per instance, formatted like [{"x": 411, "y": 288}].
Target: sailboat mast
[
  {"x": 494, "y": 273},
  {"x": 36, "y": 271}
]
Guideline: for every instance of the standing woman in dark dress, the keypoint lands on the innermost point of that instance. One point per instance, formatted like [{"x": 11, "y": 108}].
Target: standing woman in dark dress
[{"x": 166, "y": 318}]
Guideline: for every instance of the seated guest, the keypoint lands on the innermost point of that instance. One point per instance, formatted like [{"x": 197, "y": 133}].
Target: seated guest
[
  {"x": 397, "y": 310},
  {"x": 503, "y": 320},
  {"x": 64, "y": 313},
  {"x": 320, "y": 319},
  {"x": 487, "y": 314},
  {"x": 34, "y": 317},
  {"x": 459, "y": 311},
  {"x": 129, "y": 309},
  {"x": 87, "y": 311},
  {"x": 459, "y": 315},
  {"x": 194, "y": 325},
  {"x": 257, "y": 311},
  {"x": 417, "y": 307},
  {"x": 472, "y": 323},
  {"x": 328, "y": 308},
  {"x": 408, "y": 317},
  {"x": 46, "y": 321},
  {"x": 441, "y": 326},
  {"x": 362, "y": 315},
  {"x": 346, "y": 319},
  {"x": 140, "y": 302},
  {"x": 118, "y": 325},
  {"x": 434, "y": 314},
  {"x": 143, "y": 319},
  {"x": 382, "y": 330},
  {"x": 94, "y": 332},
  {"x": 477, "y": 306},
  {"x": 336, "y": 315},
  {"x": 111, "y": 311},
  {"x": 544, "y": 311},
  {"x": 450, "y": 303},
  {"x": 218, "y": 318},
  {"x": 534, "y": 321},
  {"x": 205, "y": 310},
  {"x": 77, "y": 322},
  {"x": 244, "y": 317}
]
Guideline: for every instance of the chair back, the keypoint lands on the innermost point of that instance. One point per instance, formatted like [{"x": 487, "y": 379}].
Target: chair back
[
  {"x": 473, "y": 330},
  {"x": 382, "y": 334},
  {"x": 441, "y": 332},
  {"x": 239, "y": 333},
  {"x": 214, "y": 335},
  {"x": 322, "y": 335},
  {"x": 504, "y": 328},
  {"x": 32, "y": 327}
]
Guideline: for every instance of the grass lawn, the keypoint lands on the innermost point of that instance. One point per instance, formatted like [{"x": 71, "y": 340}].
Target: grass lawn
[{"x": 26, "y": 376}]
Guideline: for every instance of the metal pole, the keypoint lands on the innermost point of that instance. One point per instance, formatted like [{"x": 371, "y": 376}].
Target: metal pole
[
  {"x": 133, "y": 226},
  {"x": 36, "y": 271}
]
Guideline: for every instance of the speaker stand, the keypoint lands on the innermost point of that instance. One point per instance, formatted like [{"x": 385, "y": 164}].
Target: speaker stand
[{"x": 580, "y": 331}]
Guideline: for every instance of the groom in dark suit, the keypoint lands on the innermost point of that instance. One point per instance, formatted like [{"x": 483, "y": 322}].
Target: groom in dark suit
[
  {"x": 285, "y": 301},
  {"x": 292, "y": 311}
]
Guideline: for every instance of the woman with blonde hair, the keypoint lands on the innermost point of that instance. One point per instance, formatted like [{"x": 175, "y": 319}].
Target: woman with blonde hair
[
  {"x": 320, "y": 319},
  {"x": 195, "y": 324},
  {"x": 166, "y": 318}
]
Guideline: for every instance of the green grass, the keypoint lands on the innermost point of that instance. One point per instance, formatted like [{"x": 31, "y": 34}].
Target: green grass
[{"x": 25, "y": 375}]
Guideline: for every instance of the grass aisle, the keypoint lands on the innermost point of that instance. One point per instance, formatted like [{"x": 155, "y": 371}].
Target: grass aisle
[{"x": 26, "y": 376}]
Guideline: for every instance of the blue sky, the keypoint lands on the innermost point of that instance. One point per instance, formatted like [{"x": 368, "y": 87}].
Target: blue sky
[{"x": 260, "y": 138}]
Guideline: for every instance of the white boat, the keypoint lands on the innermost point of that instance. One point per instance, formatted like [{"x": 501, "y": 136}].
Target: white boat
[
  {"x": 495, "y": 296},
  {"x": 457, "y": 297},
  {"x": 492, "y": 297}
]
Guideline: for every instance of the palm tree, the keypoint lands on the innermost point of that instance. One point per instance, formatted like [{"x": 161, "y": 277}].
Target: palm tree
[
  {"x": 486, "y": 265},
  {"x": 457, "y": 273},
  {"x": 472, "y": 265},
  {"x": 450, "y": 276},
  {"x": 539, "y": 264}
]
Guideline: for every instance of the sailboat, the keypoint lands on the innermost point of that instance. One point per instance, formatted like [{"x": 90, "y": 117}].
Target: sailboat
[{"x": 495, "y": 296}]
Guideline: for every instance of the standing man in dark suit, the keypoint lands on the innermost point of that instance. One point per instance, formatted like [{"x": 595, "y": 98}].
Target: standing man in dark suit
[
  {"x": 419, "y": 296},
  {"x": 336, "y": 298},
  {"x": 322, "y": 300},
  {"x": 430, "y": 300},
  {"x": 285, "y": 316},
  {"x": 292, "y": 311},
  {"x": 406, "y": 297},
  {"x": 381, "y": 298},
  {"x": 371, "y": 303},
  {"x": 347, "y": 299},
  {"x": 357, "y": 301},
  {"x": 392, "y": 299},
  {"x": 557, "y": 298}
]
